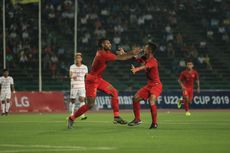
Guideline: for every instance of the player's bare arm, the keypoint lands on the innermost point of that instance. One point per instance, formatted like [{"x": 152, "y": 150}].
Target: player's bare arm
[
  {"x": 128, "y": 55},
  {"x": 136, "y": 69},
  {"x": 181, "y": 84},
  {"x": 12, "y": 88},
  {"x": 121, "y": 51}
]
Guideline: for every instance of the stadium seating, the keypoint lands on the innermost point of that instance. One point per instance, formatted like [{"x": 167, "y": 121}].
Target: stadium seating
[{"x": 181, "y": 28}]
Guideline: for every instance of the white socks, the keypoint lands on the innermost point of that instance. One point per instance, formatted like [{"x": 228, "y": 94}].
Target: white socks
[
  {"x": 72, "y": 108},
  {"x": 73, "y": 105},
  {"x": 7, "y": 107},
  {"x": 3, "y": 107}
]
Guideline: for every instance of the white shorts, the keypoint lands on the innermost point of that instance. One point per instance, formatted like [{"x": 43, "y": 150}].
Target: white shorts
[
  {"x": 5, "y": 95},
  {"x": 75, "y": 93}
]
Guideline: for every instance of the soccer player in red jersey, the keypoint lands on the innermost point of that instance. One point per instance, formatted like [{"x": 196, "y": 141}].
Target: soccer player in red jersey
[
  {"x": 153, "y": 88},
  {"x": 186, "y": 81},
  {"x": 94, "y": 80}
]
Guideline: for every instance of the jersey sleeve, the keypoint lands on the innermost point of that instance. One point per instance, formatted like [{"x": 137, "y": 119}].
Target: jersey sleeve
[
  {"x": 11, "y": 81},
  {"x": 110, "y": 57},
  {"x": 86, "y": 69},
  {"x": 150, "y": 64},
  {"x": 70, "y": 69}
]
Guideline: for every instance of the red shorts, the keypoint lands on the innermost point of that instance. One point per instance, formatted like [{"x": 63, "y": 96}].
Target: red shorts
[
  {"x": 188, "y": 92},
  {"x": 148, "y": 90},
  {"x": 94, "y": 83}
]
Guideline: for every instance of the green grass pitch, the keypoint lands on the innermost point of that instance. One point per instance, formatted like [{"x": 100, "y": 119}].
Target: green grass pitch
[{"x": 203, "y": 132}]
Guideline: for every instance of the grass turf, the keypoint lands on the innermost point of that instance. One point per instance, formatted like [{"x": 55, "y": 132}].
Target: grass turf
[{"x": 202, "y": 132}]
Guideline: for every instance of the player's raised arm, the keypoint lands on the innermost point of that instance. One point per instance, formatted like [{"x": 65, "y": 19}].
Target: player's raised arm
[{"x": 128, "y": 55}]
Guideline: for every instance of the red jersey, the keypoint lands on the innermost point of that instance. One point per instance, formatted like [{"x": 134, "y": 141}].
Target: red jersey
[
  {"x": 151, "y": 70},
  {"x": 188, "y": 78},
  {"x": 100, "y": 62}
]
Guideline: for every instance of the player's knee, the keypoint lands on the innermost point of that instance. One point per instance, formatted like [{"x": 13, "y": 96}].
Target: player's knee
[
  {"x": 114, "y": 92},
  {"x": 72, "y": 101},
  {"x": 81, "y": 99},
  {"x": 135, "y": 99},
  {"x": 152, "y": 100},
  {"x": 3, "y": 102}
]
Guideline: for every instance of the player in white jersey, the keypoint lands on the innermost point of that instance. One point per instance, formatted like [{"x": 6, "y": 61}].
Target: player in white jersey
[
  {"x": 6, "y": 86},
  {"x": 77, "y": 73}
]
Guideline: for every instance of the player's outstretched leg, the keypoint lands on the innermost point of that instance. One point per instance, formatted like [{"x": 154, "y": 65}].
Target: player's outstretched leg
[
  {"x": 83, "y": 116},
  {"x": 136, "y": 111},
  {"x": 153, "y": 109},
  {"x": 80, "y": 111},
  {"x": 109, "y": 89}
]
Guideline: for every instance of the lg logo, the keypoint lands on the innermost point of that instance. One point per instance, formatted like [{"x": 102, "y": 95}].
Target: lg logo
[{"x": 22, "y": 101}]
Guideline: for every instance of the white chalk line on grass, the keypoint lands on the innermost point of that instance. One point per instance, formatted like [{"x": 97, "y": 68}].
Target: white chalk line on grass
[{"x": 50, "y": 148}]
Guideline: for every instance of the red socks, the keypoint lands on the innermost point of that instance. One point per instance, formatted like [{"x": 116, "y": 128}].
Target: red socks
[
  {"x": 186, "y": 106},
  {"x": 153, "y": 109},
  {"x": 79, "y": 112},
  {"x": 136, "y": 110},
  {"x": 115, "y": 106}
]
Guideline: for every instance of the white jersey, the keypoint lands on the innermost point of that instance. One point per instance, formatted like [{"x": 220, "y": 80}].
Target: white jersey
[
  {"x": 6, "y": 84},
  {"x": 79, "y": 72}
]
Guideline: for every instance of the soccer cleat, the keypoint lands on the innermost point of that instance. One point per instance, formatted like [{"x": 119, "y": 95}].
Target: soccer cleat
[
  {"x": 179, "y": 103},
  {"x": 134, "y": 122},
  {"x": 70, "y": 123},
  {"x": 119, "y": 120},
  {"x": 153, "y": 126},
  {"x": 3, "y": 114},
  {"x": 84, "y": 118},
  {"x": 188, "y": 114}
]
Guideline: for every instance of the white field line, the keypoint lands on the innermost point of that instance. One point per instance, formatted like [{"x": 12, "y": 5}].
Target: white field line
[{"x": 49, "y": 148}]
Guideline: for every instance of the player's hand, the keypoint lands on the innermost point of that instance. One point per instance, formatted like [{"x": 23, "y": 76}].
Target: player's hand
[
  {"x": 198, "y": 90},
  {"x": 136, "y": 51},
  {"x": 14, "y": 92},
  {"x": 121, "y": 51},
  {"x": 133, "y": 69}
]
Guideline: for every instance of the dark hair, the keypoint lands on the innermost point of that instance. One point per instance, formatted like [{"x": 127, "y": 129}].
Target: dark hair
[
  {"x": 5, "y": 70},
  {"x": 100, "y": 41},
  {"x": 188, "y": 61},
  {"x": 152, "y": 46}
]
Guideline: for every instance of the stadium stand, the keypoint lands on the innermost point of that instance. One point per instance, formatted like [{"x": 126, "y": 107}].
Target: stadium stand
[{"x": 183, "y": 29}]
